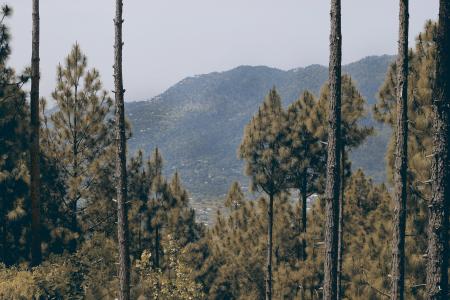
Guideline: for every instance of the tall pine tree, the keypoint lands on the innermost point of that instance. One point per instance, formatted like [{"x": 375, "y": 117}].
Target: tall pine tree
[
  {"x": 121, "y": 161},
  {"x": 36, "y": 255},
  {"x": 438, "y": 210},
  {"x": 307, "y": 153},
  {"x": 266, "y": 160},
  {"x": 332, "y": 191},
  {"x": 78, "y": 134},
  {"x": 401, "y": 159}
]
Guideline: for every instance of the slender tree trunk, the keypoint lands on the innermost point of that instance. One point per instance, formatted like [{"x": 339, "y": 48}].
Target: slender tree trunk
[
  {"x": 333, "y": 166},
  {"x": 304, "y": 195},
  {"x": 140, "y": 234},
  {"x": 4, "y": 251},
  {"x": 36, "y": 254},
  {"x": 121, "y": 168},
  {"x": 401, "y": 160},
  {"x": 74, "y": 200},
  {"x": 157, "y": 247},
  {"x": 269, "y": 249},
  {"x": 437, "y": 264},
  {"x": 341, "y": 225}
]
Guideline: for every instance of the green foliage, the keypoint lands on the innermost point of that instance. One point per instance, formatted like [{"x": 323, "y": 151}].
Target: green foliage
[
  {"x": 78, "y": 137},
  {"x": 353, "y": 112},
  {"x": 263, "y": 149},
  {"x": 174, "y": 284},
  {"x": 13, "y": 154},
  {"x": 229, "y": 260},
  {"x": 303, "y": 139},
  {"x": 420, "y": 146},
  {"x": 235, "y": 197}
]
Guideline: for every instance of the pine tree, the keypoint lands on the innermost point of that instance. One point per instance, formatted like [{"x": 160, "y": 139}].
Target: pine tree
[
  {"x": 353, "y": 134},
  {"x": 307, "y": 154},
  {"x": 235, "y": 197},
  {"x": 14, "y": 145},
  {"x": 420, "y": 148},
  {"x": 181, "y": 224},
  {"x": 438, "y": 210},
  {"x": 401, "y": 159},
  {"x": 138, "y": 193},
  {"x": 266, "y": 161},
  {"x": 157, "y": 203},
  {"x": 332, "y": 191},
  {"x": 78, "y": 135},
  {"x": 121, "y": 163},
  {"x": 36, "y": 255}
]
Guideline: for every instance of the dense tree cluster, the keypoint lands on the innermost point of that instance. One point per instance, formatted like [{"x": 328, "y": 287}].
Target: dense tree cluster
[{"x": 111, "y": 224}]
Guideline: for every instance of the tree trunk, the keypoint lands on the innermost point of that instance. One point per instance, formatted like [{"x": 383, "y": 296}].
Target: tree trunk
[
  {"x": 333, "y": 166},
  {"x": 437, "y": 264},
  {"x": 157, "y": 247},
  {"x": 4, "y": 251},
  {"x": 74, "y": 200},
  {"x": 121, "y": 170},
  {"x": 401, "y": 160},
  {"x": 36, "y": 254},
  {"x": 269, "y": 249},
  {"x": 303, "y": 192},
  {"x": 341, "y": 225}
]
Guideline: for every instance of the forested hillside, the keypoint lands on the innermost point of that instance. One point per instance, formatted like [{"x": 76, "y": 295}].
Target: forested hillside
[{"x": 198, "y": 123}]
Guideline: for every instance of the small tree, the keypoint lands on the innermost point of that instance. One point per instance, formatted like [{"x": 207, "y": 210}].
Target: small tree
[{"x": 235, "y": 197}]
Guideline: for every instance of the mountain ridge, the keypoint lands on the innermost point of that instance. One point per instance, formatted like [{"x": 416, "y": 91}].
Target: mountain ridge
[{"x": 198, "y": 122}]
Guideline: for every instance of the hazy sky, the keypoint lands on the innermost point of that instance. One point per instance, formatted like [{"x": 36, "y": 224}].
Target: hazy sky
[{"x": 167, "y": 40}]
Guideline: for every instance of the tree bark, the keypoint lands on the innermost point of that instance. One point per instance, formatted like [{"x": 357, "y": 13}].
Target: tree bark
[
  {"x": 304, "y": 195},
  {"x": 401, "y": 160},
  {"x": 74, "y": 200},
  {"x": 269, "y": 249},
  {"x": 333, "y": 166},
  {"x": 437, "y": 264},
  {"x": 36, "y": 254},
  {"x": 121, "y": 171},
  {"x": 157, "y": 265},
  {"x": 341, "y": 225}
]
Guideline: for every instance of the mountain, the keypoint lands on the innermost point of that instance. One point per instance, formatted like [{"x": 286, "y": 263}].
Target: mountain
[{"x": 198, "y": 123}]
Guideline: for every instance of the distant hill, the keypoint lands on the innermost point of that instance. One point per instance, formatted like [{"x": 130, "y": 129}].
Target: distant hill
[{"x": 198, "y": 122}]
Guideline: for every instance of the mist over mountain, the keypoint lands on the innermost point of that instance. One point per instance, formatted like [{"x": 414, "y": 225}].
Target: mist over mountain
[{"x": 198, "y": 123}]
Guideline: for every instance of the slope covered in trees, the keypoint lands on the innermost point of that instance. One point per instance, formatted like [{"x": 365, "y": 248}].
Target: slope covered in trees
[{"x": 198, "y": 122}]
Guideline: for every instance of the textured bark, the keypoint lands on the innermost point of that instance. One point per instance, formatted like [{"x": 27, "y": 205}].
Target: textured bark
[
  {"x": 157, "y": 247},
  {"x": 269, "y": 249},
  {"x": 121, "y": 171},
  {"x": 75, "y": 143},
  {"x": 341, "y": 226},
  {"x": 333, "y": 166},
  {"x": 304, "y": 195},
  {"x": 36, "y": 254},
  {"x": 401, "y": 160},
  {"x": 437, "y": 264}
]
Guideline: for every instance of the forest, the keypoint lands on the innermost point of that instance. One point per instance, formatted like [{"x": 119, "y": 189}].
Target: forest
[{"x": 82, "y": 218}]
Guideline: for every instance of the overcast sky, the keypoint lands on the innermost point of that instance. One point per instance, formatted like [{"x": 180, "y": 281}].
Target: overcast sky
[{"x": 167, "y": 40}]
